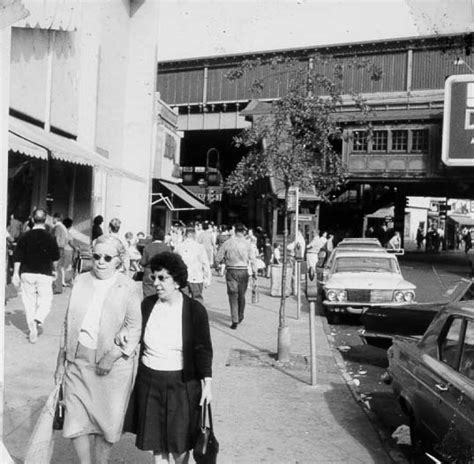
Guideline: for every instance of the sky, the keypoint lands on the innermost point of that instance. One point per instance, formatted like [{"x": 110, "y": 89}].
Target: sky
[{"x": 195, "y": 28}]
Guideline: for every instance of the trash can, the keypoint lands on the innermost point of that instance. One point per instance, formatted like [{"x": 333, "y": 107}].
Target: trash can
[{"x": 275, "y": 279}]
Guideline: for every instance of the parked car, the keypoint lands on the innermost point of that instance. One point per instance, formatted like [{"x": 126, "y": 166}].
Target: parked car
[
  {"x": 323, "y": 271},
  {"x": 359, "y": 241},
  {"x": 433, "y": 379},
  {"x": 360, "y": 280},
  {"x": 382, "y": 323}
]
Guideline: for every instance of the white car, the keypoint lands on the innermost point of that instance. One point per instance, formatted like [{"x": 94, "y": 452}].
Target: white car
[
  {"x": 358, "y": 280},
  {"x": 323, "y": 272},
  {"x": 360, "y": 241}
]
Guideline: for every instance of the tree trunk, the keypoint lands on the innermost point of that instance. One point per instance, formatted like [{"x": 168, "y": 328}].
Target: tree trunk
[
  {"x": 282, "y": 322},
  {"x": 284, "y": 341}
]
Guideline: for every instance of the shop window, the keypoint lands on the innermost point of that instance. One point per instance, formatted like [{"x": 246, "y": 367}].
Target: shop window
[
  {"x": 359, "y": 141},
  {"x": 400, "y": 140},
  {"x": 380, "y": 140},
  {"x": 419, "y": 140}
]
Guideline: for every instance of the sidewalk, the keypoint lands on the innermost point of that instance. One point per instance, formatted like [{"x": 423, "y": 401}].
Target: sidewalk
[{"x": 263, "y": 411}]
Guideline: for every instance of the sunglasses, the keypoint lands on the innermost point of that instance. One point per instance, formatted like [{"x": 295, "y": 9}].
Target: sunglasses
[{"x": 107, "y": 258}]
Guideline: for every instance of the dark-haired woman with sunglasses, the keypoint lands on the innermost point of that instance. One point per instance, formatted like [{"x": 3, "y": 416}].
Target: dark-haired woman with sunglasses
[
  {"x": 97, "y": 374},
  {"x": 175, "y": 369}
]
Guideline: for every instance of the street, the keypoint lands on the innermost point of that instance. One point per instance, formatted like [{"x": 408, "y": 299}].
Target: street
[{"x": 435, "y": 275}]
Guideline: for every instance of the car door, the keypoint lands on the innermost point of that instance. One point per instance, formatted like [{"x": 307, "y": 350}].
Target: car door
[
  {"x": 433, "y": 387},
  {"x": 456, "y": 353},
  {"x": 462, "y": 389}
]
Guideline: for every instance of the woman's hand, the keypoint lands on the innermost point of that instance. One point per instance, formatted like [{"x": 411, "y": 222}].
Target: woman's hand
[
  {"x": 121, "y": 339},
  {"x": 104, "y": 366},
  {"x": 206, "y": 394}
]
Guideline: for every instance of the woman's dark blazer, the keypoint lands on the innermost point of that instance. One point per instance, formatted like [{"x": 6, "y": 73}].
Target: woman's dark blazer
[
  {"x": 197, "y": 345},
  {"x": 197, "y": 348}
]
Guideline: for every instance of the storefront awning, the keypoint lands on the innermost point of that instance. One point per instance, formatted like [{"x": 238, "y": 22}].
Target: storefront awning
[
  {"x": 382, "y": 213},
  {"x": 20, "y": 145},
  {"x": 25, "y": 136},
  {"x": 178, "y": 191},
  {"x": 462, "y": 220}
]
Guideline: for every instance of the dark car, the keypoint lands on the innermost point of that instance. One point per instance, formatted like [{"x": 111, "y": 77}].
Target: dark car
[
  {"x": 433, "y": 379},
  {"x": 381, "y": 323}
]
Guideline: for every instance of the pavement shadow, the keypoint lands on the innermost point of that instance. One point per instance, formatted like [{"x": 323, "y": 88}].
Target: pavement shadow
[
  {"x": 349, "y": 415},
  {"x": 17, "y": 319},
  {"x": 217, "y": 318}
]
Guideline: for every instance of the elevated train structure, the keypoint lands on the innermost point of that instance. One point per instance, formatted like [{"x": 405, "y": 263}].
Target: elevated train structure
[{"x": 401, "y": 157}]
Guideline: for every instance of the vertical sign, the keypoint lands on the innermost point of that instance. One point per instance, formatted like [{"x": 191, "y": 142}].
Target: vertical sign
[{"x": 458, "y": 121}]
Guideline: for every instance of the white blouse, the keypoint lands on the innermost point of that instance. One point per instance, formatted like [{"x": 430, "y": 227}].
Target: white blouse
[
  {"x": 89, "y": 333},
  {"x": 163, "y": 337}
]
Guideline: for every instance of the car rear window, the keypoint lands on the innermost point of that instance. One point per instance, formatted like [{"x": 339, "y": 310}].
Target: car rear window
[{"x": 365, "y": 264}]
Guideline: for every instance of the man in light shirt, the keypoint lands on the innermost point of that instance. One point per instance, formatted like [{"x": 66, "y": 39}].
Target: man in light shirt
[
  {"x": 195, "y": 257},
  {"x": 62, "y": 238},
  {"x": 238, "y": 254}
]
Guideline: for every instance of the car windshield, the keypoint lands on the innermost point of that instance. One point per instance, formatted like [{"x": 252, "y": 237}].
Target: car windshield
[{"x": 365, "y": 264}]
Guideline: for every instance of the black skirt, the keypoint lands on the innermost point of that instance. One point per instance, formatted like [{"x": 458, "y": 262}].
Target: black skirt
[{"x": 166, "y": 412}]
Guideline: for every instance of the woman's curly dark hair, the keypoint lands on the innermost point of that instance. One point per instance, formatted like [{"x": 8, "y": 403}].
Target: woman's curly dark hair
[{"x": 173, "y": 264}]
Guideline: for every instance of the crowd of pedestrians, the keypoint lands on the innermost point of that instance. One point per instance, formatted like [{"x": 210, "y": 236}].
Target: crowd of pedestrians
[{"x": 113, "y": 331}]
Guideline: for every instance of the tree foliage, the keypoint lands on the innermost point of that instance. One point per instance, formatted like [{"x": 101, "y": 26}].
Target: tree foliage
[{"x": 295, "y": 141}]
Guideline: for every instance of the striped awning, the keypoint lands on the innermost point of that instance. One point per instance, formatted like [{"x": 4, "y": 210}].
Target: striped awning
[
  {"x": 24, "y": 146},
  {"x": 174, "y": 191},
  {"x": 34, "y": 141}
]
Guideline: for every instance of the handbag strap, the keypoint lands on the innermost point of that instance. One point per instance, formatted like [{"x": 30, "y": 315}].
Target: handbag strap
[{"x": 206, "y": 407}]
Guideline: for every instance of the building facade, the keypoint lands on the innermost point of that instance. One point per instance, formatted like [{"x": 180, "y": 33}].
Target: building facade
[
  {"x": 83, "y": 111},
  {"x": 399, "y": 156}
]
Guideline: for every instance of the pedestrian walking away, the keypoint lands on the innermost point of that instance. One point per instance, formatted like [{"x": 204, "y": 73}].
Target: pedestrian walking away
[
  {"x": 196, "y": 259},
  {"x": 97, "y": 374},
  {"x": 312, "y": 252},
  {"x": 208, "y": 240},
  {"x": 175, "y": 370},
  {"x": 69, "y": 251},
  {"x": 238, "y": 254},
  {"x": 62, "y": 238},
  {"x": 97, "y": 228},
  {"x": 150, "y": 250},
  {"x": 35, "y": 262}
]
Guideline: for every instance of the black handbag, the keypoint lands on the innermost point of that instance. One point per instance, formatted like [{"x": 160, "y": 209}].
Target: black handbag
[
  {"x": 206, "y": 447},
  {"x": 58, "y": 420}
]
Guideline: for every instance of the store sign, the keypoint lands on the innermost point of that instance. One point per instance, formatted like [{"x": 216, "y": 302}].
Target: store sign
[
  {"x": 458, "y": 121},
  {"x": 213, "y": 194}
]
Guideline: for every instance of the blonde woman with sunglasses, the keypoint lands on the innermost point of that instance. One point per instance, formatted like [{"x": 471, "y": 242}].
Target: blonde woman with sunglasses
[{"x": 97, "y": 374}]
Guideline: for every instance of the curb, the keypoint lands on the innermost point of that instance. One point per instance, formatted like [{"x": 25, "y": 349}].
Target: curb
[{"x": 390, "y": 447}]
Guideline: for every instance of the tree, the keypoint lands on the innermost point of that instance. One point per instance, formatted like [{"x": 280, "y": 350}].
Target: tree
[{"x": 294, "y": 142}]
